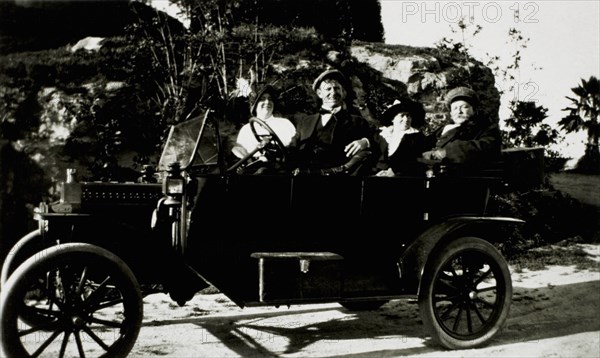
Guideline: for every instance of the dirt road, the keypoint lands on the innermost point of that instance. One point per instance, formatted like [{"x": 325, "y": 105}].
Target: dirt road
[{"x": 555, "y": 312}]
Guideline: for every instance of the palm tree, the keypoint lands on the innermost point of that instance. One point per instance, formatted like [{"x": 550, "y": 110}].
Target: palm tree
[{"x": 583, "y": 114}]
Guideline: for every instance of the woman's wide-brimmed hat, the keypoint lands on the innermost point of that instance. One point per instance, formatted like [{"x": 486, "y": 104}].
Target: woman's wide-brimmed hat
[
  {"x": 255, "y": 97},
  {"x": 413, "y": 108}
]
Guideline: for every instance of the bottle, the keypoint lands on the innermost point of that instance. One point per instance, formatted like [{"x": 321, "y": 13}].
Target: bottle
[{"x": 71, "y": 190}]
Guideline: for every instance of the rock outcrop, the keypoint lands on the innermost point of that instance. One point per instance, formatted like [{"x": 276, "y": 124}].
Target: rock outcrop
[
  {"x": 428, "y": 74},
  {"x": 102, "y": 116}
]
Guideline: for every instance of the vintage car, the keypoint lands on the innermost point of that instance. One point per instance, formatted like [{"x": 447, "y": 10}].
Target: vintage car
[{"x": 75, "y": 285}]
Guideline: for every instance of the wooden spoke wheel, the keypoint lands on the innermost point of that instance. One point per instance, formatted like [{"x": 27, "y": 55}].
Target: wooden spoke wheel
[
  {"x": 465, "y": 294},
  {"x": 85, "y": 300}
]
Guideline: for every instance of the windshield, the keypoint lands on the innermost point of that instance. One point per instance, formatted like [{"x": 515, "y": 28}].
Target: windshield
[{"x": 182, "y": 144}]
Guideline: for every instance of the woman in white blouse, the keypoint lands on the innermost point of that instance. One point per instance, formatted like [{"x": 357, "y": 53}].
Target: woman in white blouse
[{"x": 262, "y": 105}]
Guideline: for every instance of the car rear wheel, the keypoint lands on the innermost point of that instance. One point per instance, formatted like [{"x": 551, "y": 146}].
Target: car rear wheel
[
  {"x": 87, "y": 300},
  {"x": 465, "y": 294}
]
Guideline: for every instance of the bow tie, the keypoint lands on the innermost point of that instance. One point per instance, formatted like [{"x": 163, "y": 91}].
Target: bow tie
[{"x": 328, "y": 111}]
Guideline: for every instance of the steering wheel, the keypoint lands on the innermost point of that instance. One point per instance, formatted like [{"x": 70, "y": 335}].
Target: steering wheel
[{"x": 274, "y": 138}]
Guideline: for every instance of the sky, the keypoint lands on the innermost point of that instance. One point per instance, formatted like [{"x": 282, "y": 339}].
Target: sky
[{"x": 564, "y": 43}]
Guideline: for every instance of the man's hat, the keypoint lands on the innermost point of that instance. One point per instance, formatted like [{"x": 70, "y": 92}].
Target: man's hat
[
  {"x": 333, "y": 74},
  {"x": 462, "y": 93},
  {"x": 413, "y": 108},
  {"x": 255, "y": 97}
]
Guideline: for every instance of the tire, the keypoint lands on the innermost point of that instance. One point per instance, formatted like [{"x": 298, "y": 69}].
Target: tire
[
  {"x": 89, "y": 300},
  {"x": 363, "y": 305},
  {"x": 26, "y": 247},
  {"x": 465, "y": 294}
]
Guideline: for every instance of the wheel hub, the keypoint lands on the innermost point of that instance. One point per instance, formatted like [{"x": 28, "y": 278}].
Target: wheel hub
[{"x": 78, "y": 322}]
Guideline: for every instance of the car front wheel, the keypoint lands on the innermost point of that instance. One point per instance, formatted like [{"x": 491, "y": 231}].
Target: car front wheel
[
  {"x": 465, "y": 294},
  {"x": 86, "y": 300}
]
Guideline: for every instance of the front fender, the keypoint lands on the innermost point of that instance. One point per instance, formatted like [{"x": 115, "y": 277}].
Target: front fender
[{"x": 414, "y": 259}]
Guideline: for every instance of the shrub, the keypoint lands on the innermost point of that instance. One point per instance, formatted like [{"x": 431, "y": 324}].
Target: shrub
[{"x": 549, "y": 215}]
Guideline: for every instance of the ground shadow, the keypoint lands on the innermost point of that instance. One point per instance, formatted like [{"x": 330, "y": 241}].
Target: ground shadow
[
  {"x": 552, "y": 311},
  {"x": 536, "y": 313}
]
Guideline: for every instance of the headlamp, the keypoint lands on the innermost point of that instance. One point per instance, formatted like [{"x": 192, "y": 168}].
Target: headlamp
[
  {"x": 173, "y": 186},
  {"x": 173, "y": 182}
]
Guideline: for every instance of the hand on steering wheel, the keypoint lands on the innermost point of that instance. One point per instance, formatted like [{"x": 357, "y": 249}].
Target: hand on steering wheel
[{"x": 273, "y": 138}]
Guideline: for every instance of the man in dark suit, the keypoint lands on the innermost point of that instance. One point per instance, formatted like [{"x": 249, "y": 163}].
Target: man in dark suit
[
  {"x": 470, "y": 139},
  {"x": 332, "y": 141}
]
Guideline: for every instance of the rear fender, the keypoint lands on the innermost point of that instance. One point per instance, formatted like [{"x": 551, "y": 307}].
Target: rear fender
[{"x": 414, "y": 259}]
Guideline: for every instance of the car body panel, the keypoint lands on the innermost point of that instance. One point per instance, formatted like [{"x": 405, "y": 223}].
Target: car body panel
[{"x": 243, "y": 232}]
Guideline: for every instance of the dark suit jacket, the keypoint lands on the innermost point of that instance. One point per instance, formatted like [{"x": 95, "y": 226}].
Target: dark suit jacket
[
  {"x": 310, "y": 153},
  {"x": 474, "y": 142},
  {"x": 404, "y": 159}
]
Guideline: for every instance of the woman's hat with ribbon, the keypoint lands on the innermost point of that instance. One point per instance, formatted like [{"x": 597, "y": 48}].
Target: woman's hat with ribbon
[{"x": 413, "y": 108}]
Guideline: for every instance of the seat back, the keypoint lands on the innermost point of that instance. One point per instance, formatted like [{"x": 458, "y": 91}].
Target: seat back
[{"x": 523, "y": 167}]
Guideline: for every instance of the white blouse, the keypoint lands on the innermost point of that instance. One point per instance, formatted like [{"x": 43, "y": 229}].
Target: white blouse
[
  {"x": 394, "y": 137},
  {"x": 284, "y": 129}
]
